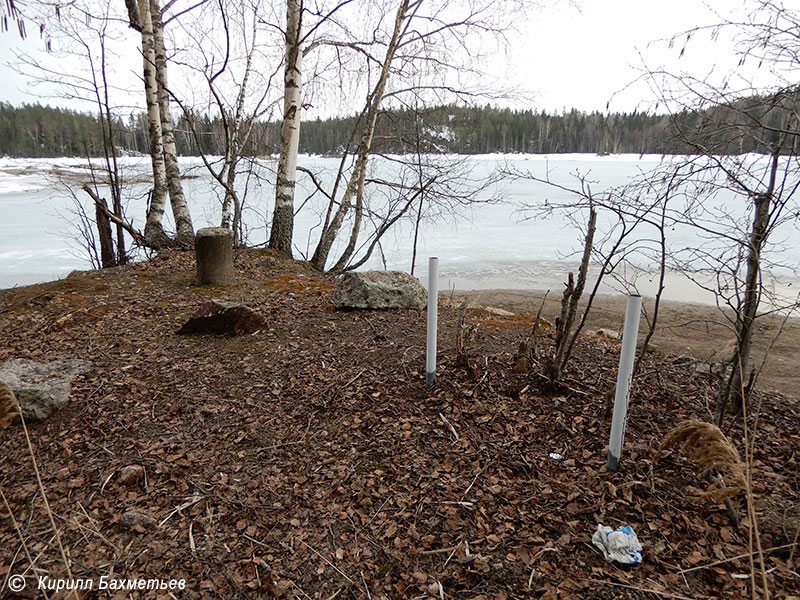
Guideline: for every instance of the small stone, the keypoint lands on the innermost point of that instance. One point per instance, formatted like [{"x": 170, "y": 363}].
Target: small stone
[
  {"x": 131, "y": 474},
  {"x": 501, "y": 312},
  {"x": 137, "y": 520},
  {"x": 608, "y": 333},
  {"x": 435, "y": 589}
]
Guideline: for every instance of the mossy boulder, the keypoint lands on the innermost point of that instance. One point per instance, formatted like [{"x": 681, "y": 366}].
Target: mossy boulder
[
  {"x": 379, "y": 290},
  {"x": 40, "y": 388}
]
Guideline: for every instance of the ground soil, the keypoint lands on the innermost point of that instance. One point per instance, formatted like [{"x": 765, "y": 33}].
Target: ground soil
[
  {"x": 309, "y": 460},
  {"x": 682, "y": 329}
]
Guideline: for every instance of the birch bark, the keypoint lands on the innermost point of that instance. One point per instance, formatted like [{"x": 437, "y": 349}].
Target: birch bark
[
  {"x": 153, "y": 229},
  {"x": 180, "y": 210},
  {"x": 283, "y": 213}
]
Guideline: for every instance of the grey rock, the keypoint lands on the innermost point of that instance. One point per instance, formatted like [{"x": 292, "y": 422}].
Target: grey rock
[
  {"x": 608, "y": 333},
  {"x": 215, "y": 316},
  {"x": 131, "y": 474},
  {"x": 379, "y": 290},
  {"x": 137, "y": 520},
  {"x": 40, "y": 388},
  {"x": 501, "y": 312}
]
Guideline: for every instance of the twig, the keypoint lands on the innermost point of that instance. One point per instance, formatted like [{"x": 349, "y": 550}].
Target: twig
[
  {"x": 115, "y": 218},
  {"x": 452, "y": 429},
  {"x": 450, "y": 556},
  {"x": 21, "y": 539},
  {"x": 532, "y": 338},
  {"x": 336, "y": 593},
  {"x": 640, "y": 589},
  {"x": 441, "y": 550},
  {"x": 727, "y": 560},
  {"x": 337, "y": 569},
  {"x": 360, "y": 373},
  {"x": 485, "y": 373},
  {"x": 255, "y": 541},
  {"x": 191, "y": 502},
  {"x": 473, "y": 483},
  {"x": 92, "y": 529},
  {"x": 46, "y": 503},
  {"x": 103, "y": 486},
  {"x": 753, "y": 533},
  {"x": 366, "y": 587},
  {"x": 302, "y": 592}
]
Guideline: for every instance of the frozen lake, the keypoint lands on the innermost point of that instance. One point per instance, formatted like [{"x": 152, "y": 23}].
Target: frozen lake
[{"x": 484, "y": 246}]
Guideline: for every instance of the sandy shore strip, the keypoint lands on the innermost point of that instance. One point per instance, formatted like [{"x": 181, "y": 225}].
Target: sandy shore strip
[{"x": 697, "y": 330}]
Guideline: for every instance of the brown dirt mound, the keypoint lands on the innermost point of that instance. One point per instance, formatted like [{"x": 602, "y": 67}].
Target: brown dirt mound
[{"x": 308, "y": 460}]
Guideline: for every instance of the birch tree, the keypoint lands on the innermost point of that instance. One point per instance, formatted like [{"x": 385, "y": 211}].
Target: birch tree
[
  {"x": 141, "y": 20},
  {"x": 283, "y": 214},
  {"x": 419, "y": 53},
  {"x": 367, "y": 46},
  {"x": 180, "y": 210},
  {"x": 146, "y": 17},
  {"x": 355, "y": 185}
]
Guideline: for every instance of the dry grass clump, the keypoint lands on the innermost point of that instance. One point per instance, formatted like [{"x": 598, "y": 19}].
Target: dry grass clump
[
  {"x": 9, "y": 408},
  {"x": 707, "y": 447}
]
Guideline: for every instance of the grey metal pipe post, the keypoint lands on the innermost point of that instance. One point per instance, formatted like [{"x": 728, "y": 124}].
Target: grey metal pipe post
[
  {"x": 433, "y": 318},
  {"x": 629, "y": 335}
]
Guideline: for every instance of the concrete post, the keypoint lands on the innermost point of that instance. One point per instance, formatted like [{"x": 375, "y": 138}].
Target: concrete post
[{"x": 213, "y": 247}]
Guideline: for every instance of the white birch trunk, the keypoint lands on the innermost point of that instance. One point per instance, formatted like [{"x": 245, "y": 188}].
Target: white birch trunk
[
  {"x": 283, "y": 213},
  {"x": 227, "y": 202},
  {"x": 180, "y": 210},
  {"x": 153, "y": 230},
  {"x": 237, "y": 133}
]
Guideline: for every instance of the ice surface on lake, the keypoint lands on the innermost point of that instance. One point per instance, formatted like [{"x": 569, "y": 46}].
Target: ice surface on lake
[{"x": 484, "y": 246}]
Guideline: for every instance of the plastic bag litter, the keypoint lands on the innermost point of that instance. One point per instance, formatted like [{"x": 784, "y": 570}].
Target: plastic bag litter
[{"x": 620, "y": 545}]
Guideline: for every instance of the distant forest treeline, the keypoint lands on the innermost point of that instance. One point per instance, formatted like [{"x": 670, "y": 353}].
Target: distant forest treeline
[{"x": 33, "y": 130}]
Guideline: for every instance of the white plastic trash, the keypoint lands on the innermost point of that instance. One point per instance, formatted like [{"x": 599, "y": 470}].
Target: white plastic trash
[{"x": 620, "y": 545}]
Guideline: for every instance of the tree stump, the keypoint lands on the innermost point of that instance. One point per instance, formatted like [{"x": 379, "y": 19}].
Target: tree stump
[{"x": 213, "y": 248}]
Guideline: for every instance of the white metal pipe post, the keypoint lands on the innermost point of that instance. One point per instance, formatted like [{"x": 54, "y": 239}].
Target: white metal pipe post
[
  {"x": 629, "y": 335},
  {"x": 433, "y": 318}
]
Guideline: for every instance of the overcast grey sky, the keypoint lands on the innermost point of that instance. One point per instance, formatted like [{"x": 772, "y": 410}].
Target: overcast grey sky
[{"x": 568, "y": 57}]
